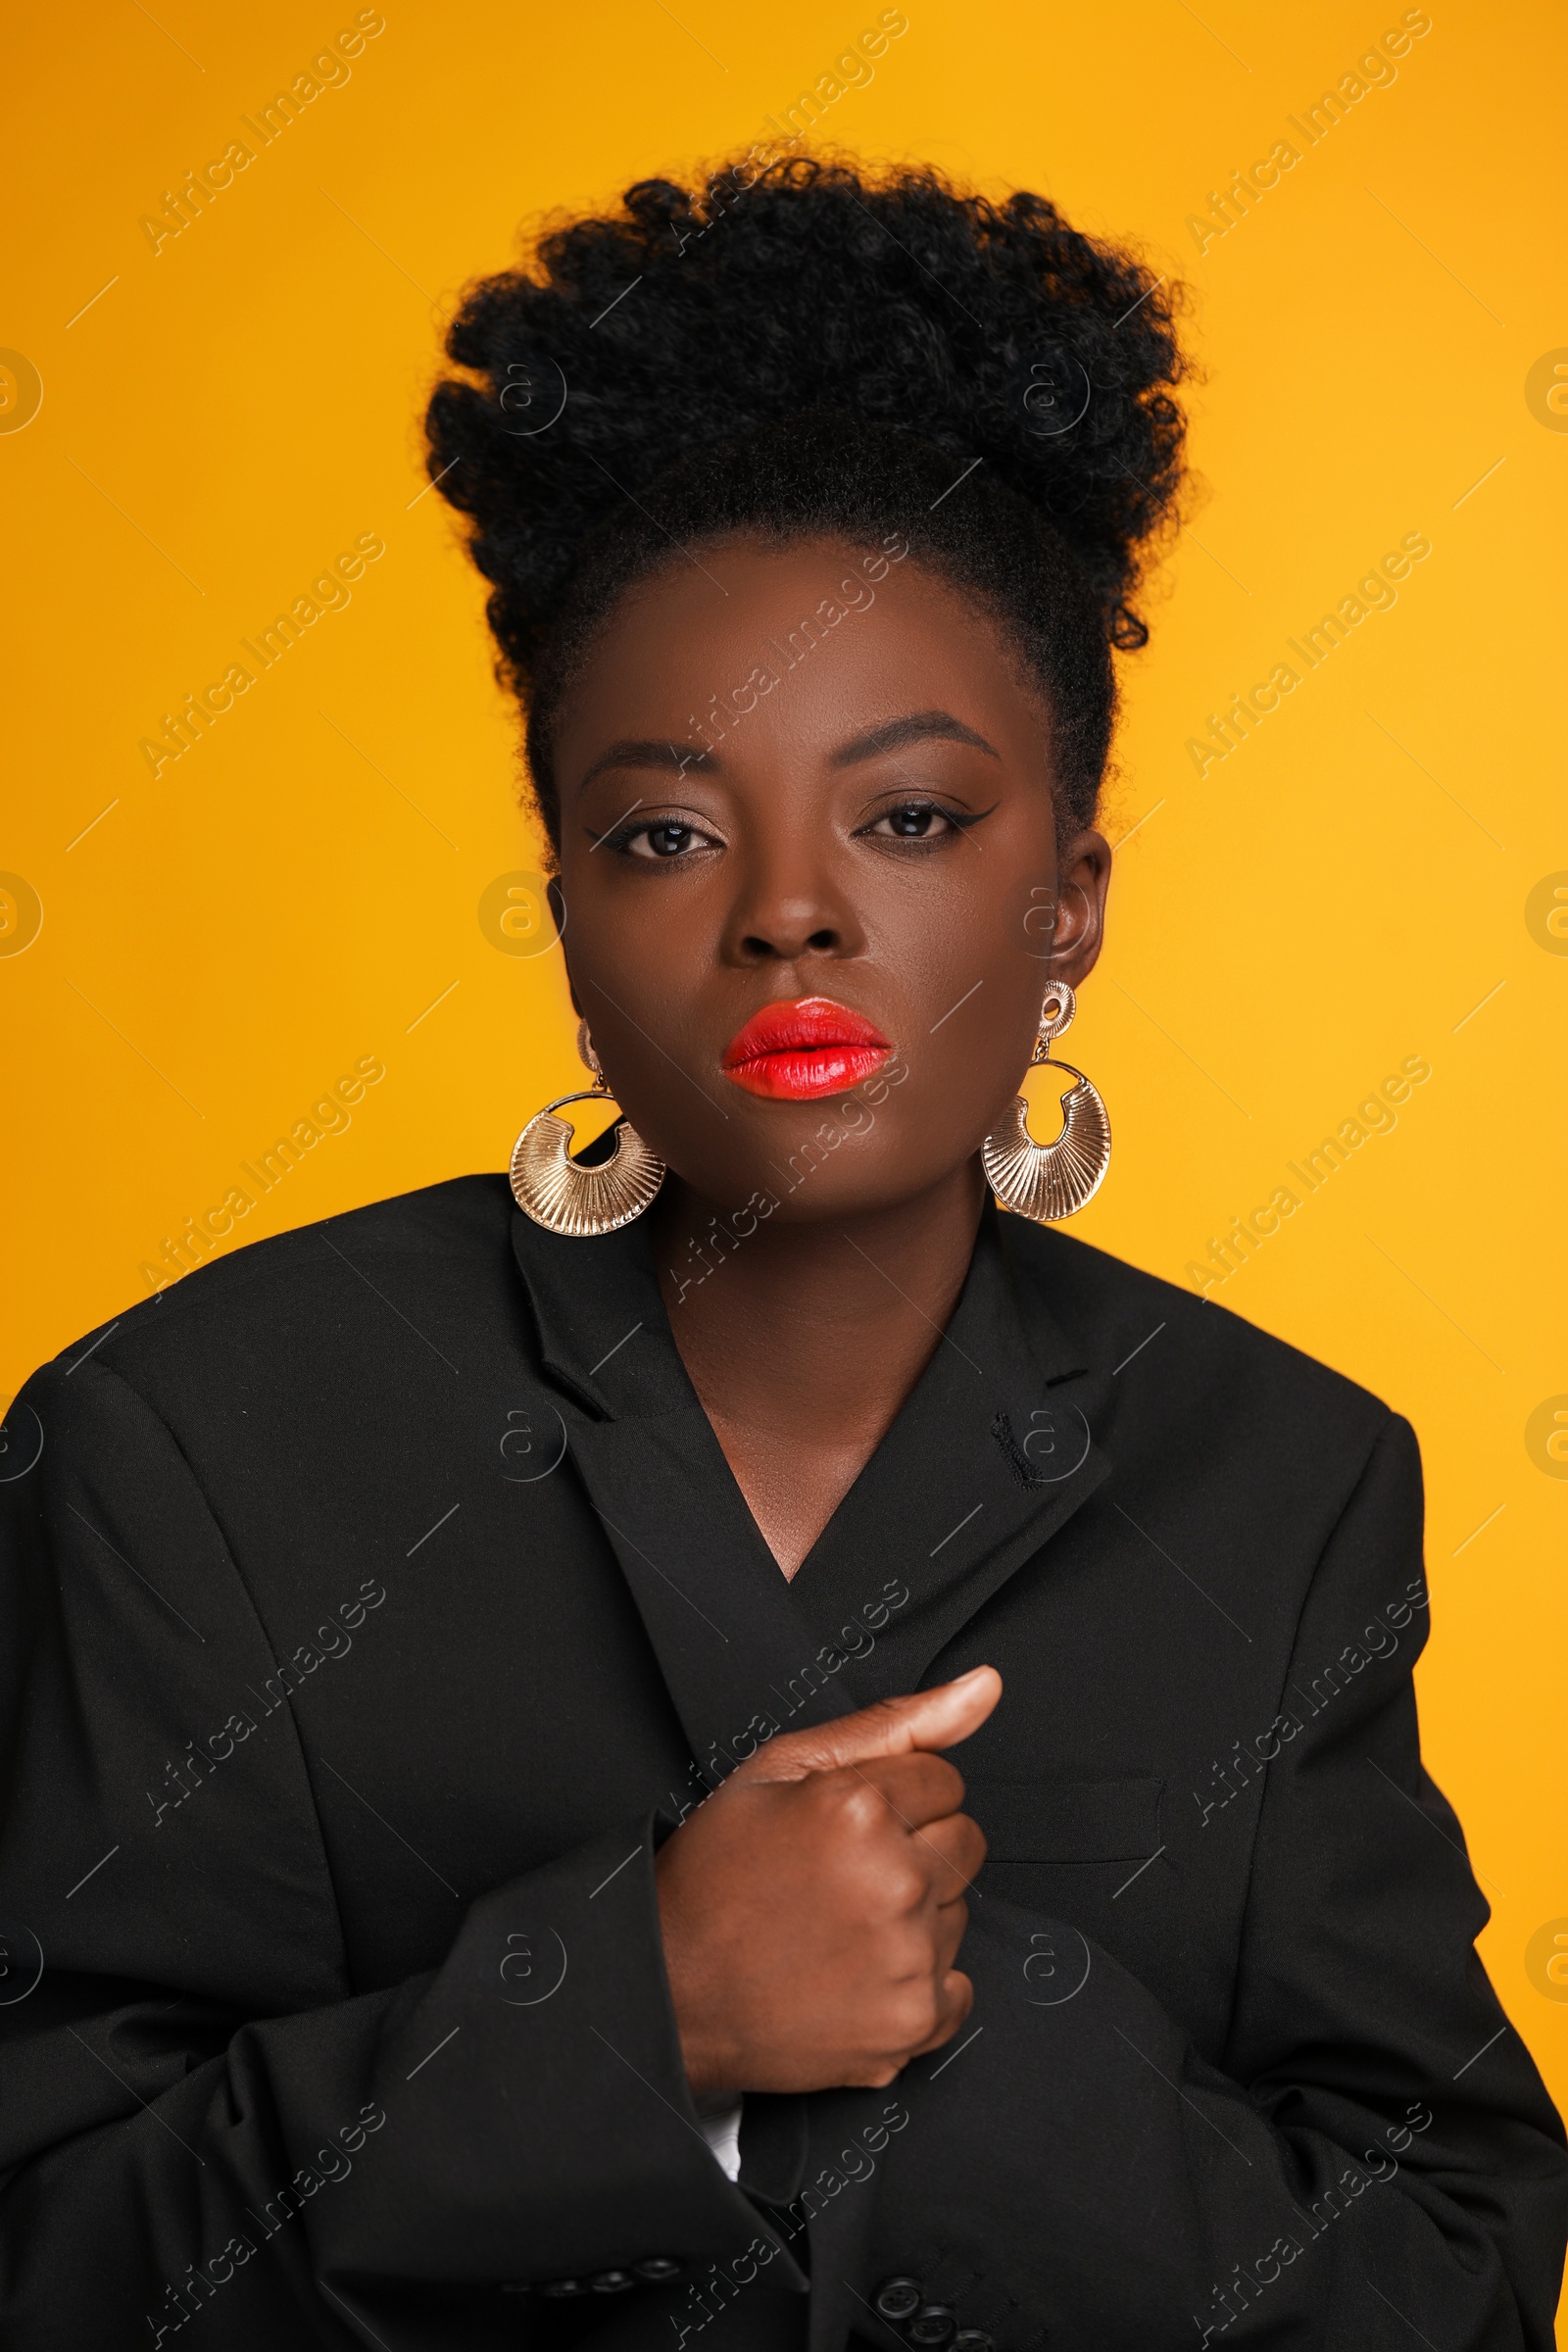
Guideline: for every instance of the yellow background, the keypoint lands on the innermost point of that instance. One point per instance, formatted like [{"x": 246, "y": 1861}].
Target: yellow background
[{"x": 1339, "y": 894}]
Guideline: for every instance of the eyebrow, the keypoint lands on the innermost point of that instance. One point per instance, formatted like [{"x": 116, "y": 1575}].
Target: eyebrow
[
  {"x": 918, "y": 726},
  {"x": 646, "y": 752}
]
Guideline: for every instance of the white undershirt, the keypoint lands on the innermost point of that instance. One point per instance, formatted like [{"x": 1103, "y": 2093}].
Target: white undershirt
[{"x": 721, "y": 2117}]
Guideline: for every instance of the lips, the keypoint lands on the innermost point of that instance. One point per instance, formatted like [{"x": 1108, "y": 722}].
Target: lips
[{"x": 792, "y": 1051}]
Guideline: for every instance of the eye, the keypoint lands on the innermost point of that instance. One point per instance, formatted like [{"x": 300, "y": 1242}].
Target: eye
[
  {"x": 915, "y": 821},
  {"x": 666, "y": 839}
]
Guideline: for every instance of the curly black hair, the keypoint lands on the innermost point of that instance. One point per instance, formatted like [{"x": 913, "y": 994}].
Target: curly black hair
[{"x": 804, "y": 349}]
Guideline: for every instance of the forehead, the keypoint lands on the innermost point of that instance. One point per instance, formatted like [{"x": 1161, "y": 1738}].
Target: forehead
[{"x": 792, "y": 650}]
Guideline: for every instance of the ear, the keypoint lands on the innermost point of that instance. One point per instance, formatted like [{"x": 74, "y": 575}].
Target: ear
[{"x": 1084, "y": 873}]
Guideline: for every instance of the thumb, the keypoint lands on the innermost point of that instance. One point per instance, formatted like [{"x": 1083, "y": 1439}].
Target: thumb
[{"x": 892, "y": 1727}]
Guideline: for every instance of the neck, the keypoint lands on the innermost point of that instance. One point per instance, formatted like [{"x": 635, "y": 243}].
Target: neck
[{"x": 816, "y": 1332}]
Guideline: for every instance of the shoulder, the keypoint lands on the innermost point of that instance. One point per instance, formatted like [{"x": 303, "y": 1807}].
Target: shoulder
[
  {"x": 1151, "y": 1337},
  {"x": 443, "y": 1243},
  {"x": 1228, "y": 1445}
]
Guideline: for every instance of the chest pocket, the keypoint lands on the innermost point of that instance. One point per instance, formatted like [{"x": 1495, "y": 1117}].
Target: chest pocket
[{"x": 1067, "y": 1821}]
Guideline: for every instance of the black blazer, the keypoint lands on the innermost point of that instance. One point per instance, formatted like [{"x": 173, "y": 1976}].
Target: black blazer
[{"x": 379, "y": 1600}]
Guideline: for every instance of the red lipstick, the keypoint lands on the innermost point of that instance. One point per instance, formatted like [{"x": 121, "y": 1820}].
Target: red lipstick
[{"x": 792, "y": 1051}]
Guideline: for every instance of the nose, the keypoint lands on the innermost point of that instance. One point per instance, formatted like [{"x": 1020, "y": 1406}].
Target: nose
[{"x": 787, "y": 908}]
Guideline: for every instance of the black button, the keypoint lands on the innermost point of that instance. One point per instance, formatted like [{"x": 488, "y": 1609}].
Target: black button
[
  {"x": 612, "y": 2282},
  {"x": 897, "y": 2298},
  {"x": 932, "y": 2324},
  {"x": 556, "y": 2287},
  {"x": 973, "y": 2340},
  {"x": 659, "y": 2267}
]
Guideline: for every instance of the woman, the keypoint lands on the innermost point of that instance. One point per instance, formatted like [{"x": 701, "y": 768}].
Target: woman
[{"x": 481, "y": 1668}]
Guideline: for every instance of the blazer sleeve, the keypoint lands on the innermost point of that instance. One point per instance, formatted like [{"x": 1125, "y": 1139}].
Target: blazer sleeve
[
  {"x": 1374, "y": 2163},
  {"x": 196, "y": 2105}
]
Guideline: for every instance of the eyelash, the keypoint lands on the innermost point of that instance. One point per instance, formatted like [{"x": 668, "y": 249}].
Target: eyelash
[
  {"x": 622, "y": 840},
  {"x": 956, "y": 821}
]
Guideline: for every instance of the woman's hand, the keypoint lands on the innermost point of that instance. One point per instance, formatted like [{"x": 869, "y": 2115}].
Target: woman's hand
[{"x": 811, "y": 1909}]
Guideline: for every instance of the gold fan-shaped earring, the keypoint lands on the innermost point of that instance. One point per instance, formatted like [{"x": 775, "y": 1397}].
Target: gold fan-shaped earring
[
  {"x": 1049, "y": 1181},
  {"x": 557, "y": 1192}
]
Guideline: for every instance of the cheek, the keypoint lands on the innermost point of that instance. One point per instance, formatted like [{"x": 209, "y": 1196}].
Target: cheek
[
  {"x": 975, "y": 1053},
  {"x": 639, "y": 954},
  {"x": 978, "y": 958},
  {"x": 642, "y": 961}
]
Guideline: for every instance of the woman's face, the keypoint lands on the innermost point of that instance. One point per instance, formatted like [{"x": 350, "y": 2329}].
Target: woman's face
[{"x": 877, "y": 830}]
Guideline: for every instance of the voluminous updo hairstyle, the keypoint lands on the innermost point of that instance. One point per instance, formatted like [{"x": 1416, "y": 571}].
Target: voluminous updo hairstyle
[{"x": 798, "y": 348}]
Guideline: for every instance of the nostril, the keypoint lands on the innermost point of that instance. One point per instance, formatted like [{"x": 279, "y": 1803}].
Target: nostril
[{"x": 785, "y": 945}]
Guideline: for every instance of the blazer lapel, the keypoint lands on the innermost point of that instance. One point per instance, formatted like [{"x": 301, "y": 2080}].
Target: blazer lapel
[
  {"x": 991, "y": 1455},
  {"x": 731, "y": 1643}
]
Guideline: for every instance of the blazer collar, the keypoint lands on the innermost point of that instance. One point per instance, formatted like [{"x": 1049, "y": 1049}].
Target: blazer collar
[
  {"x": 603, "y": 1330},
  {"x": 605, "y": 1335}
]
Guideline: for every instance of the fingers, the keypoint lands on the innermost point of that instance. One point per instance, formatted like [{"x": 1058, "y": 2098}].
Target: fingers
[
  {"x": 921, "y": 1824},
  {"x": 957, "y": 2001},
  {"x": 918, "y": 1720},
  {"x": 924, "y": 1795},
  {"x": 952, "y": 1852},
  {"x": 918, "y": 1789},
  {"x": 949, "y": 1927}
]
